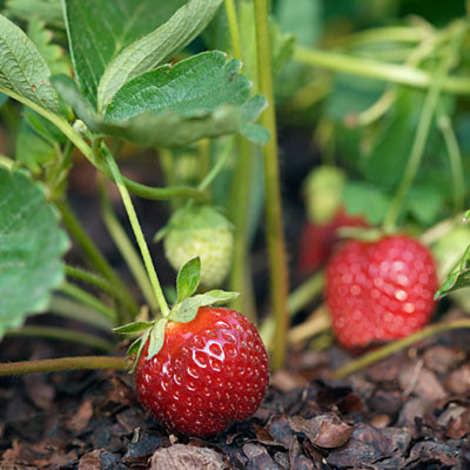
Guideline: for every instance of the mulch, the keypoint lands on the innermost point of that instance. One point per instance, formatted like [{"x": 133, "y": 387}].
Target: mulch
[{"x": 410, "y": 411}]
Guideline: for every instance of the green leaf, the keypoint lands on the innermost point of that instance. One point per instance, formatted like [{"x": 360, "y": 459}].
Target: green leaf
[
  {"x": 32, "y": 149},
  {"x": 458, "y": 277},
  {"x": 304, "y": 19},
  {"x": 3, "y": 99},
  {"x": 48, "y": 10},
  {"x": 133, "y": 327},
  {"x": 136, "y": 347},
  {"x": 203, "y": 96},
  {"x": 99, "y": 30},
  {"x": 53, "y": 54},
  {"x": 352, "y": 95},
  {"x": 151, "y": 50},
  {"x": 188, "y": 279},
  {"x": 157, "y": 337},
  {"x": 191, "y": 88},
  {"x": 23, "y": 70},
  {"x": 424, "y": 203},
  {"x": 385, "y": 163},
  {"x": 186, "y": 310},
  {"x": 362, "y": 198},
  {"x": 31, "y": 247}
]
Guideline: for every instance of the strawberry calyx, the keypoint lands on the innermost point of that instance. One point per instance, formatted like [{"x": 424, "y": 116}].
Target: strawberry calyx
[{"x": 183, "y": 311}]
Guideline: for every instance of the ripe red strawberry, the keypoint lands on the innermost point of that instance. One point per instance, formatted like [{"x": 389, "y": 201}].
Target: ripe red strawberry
[
  {"x": 318, "y": 240},
  {"x": 379, "y": 291},
  {"x": 210, "y": 372}
]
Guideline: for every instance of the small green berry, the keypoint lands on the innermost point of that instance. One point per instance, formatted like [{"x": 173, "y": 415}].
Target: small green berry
[
  {"x": 200, "y": 231},
  {"x": 322, "y": 191}
]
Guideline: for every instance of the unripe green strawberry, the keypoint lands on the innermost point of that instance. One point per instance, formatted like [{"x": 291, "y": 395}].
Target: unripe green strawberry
[
  {"x": 447, "y": 251},
  {"x": 202, "y": 232},
  {"x": 322, "y": 191}
]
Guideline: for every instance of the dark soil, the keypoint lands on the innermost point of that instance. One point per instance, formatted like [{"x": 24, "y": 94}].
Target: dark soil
[{"x": 411, "y": 411}]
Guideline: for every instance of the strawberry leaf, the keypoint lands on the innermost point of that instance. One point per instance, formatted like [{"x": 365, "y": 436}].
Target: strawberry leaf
[
  {"x": 157, "y": 337},
  {"x": 188, "y": 279},
  {"x": 186, "y": 310},
  {"x": 140, "y": 342},
  {"x": 133, "y": 328},
  {"x": 458, "y": 277}
]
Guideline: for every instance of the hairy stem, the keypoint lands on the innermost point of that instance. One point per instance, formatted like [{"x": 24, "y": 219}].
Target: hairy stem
[
  {"x": 398, "y": 345},
  {"x": 63, "y": 334},
  {"x": 127, "y": 250},
  {"x": 232, "y": 20},
  {"x": 139, "y": 235},
  {"x": 63, "y": 363},
  {"x": 274, "y": 227}
]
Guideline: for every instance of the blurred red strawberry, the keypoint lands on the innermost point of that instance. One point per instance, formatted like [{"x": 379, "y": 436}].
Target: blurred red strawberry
[{"x": 317, "y": 241}]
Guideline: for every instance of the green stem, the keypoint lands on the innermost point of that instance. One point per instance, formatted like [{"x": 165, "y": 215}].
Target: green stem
[
  {"x": 422, "y": 132},
  {"x": 305, "y": 293},
  {"x": 274, "y": 228},
  {"x": 68, "y": 308},
  {"x": 90, "y": 250},
  {"x": 240, "y": 277},
  {"x": 138, "y": 234},
  {"x": 215, "y": 170},
  {"x": 383, "y": 34},
  {"x": 127, "y": 250},
  {"x": 103, "y": 284},
  {"x": 63, "y": 334},
  {"x": 455, "y": 159},
  {"x": 204, "y": 154},
  {"x": 63, "y": 363},
  {"x": 398, "y": 345},
  {"x": 87, "y": 299},
  {"x": 297, "y": 300},
  {"x": 232, "y": 20},
  {"x": 402, "y": 74}
]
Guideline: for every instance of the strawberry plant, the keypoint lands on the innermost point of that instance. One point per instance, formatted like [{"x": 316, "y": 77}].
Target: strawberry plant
[{"x": 166, "y": 116}]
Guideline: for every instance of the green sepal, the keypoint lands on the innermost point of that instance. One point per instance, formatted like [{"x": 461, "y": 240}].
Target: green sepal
[
  {"x": 157, "y": 337},
  {"x": 458, "y": 277},
  {"x": 133, "y": 327},
  {"x": 140, "y": 342},
  {"x": 186, "y": 310},
  {"x": 188, "y": 278}
]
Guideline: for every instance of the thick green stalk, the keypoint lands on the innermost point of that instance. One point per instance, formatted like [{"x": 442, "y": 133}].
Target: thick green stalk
[
  {"x": 398, "y": 345},
  {"x": 232, "y": 20},
  {"x": 87, "y": 299},
  {"x": 63, "y": 363},
  {"x": 63, "y": 334},
  {"x": 422, "y": 132},
  {"x": 274, "y": 226},
  {"x": 102, "y": 284},
  {"x": 402, "y": 74},
  {"x": 455, "y": 159},
  {"x": 139, "y": 235},
  {"x": 127, "y": 250},
  {"x": 240, "y": 276}
]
